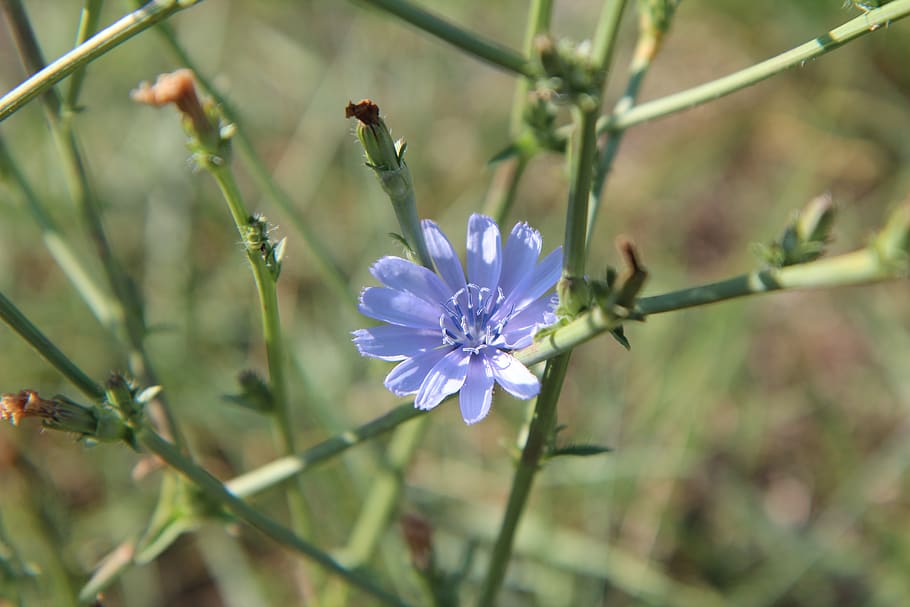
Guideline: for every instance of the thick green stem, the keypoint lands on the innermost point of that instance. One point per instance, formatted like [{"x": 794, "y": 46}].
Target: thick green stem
[
  {"x": 214, "y": 490},
  {"x": 538, "y": 435},
  {"x": 19, "y": 323},
  {"x": 467, "y": 41},
  {"x": 539, "y": 16},
  {"x": 605, "y": 33},
  {"x": 99, "y": 44},
  {"x": 860, "y": 26}
]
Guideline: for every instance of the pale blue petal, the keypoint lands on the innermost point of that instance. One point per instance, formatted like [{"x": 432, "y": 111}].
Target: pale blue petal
[
  {"x": 391, "y": 342},
  {"x": 484, "y": 252},
  {"x": 519, "y": 331},
  {"x": 513, "y": 376},
  {"x": 399, "y": 308},
  {"x": 444, "y": 256},
  {"x": 407, "y": 376},
  {"x": 445, "y": 378},
  {"x": 536, "y": 283},
  {"x": 519, "y": 256},
  {"x": 477, "y": 392},
  {"x": 403, "y": 275}
]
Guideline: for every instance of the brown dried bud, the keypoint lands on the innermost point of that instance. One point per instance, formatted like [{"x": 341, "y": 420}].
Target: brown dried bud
[
  {"x": 27, "y": 403},
  {"x": 365, "y": 111},
  {"x": 178, "y": 88}
]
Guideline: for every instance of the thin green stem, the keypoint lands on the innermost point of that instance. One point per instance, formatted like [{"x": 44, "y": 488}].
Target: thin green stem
[
  {"x": 487, "y": 50},
  {"x": 271, "y": 329},
  {"x": 859, "y": 267},
  {"x": 281, "y": 469},
  {"x": 19, "y": 323},
  {"x": 538, "y": 435},
  {"x": 325, "y": 263},
  {"x": 99, "y": 44},
  {"x": 88, "y": 25},
  {"x": 540, "y": 15},
  {"x": 605, "y": 33},
  {"x": 508, "y": 173},
  {"x": 504, "y": 187},
  {"x": 869, "y": 22},
  {"x": 213, "y": 489},
  {"x": 582, "y": 168},
  {"x": 82, "y": 193},
  {"x": 641, "y": 61}
]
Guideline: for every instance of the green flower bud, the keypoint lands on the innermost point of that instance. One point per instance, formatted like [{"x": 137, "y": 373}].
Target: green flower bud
[{"x": 384, "y": 155}]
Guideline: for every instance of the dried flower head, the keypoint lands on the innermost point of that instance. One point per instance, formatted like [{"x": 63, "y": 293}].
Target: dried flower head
[
  {"x": 178, "y": 88},
  {"x": 27, "y": 403}
]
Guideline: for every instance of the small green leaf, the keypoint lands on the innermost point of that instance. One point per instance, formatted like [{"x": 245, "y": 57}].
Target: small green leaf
[{"x": 579, "y": 450}]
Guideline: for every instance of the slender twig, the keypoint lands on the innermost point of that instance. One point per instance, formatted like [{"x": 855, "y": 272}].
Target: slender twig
[
  {"x": 99, "y": 44},
  {"x": 582, "y": 161},
  {"x": 541, "y": 427},
  {"x": 864, "y": 24},
  {"x": 88, "y": 25},
  {"x": 487, "y": 50},
  {"x": 281, "y": 469},
  {"x": 213, "y": 489}
]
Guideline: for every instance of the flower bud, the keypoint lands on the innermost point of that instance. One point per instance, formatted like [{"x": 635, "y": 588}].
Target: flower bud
[
  {"x": 384, "y": 155},
  {"x": 60, "y": 413}
]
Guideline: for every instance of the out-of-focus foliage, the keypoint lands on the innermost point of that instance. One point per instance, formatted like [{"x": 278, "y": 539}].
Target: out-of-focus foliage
[{"x": 759, "y": 448}]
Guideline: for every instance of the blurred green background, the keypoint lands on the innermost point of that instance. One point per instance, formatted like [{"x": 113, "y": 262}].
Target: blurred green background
[{"x": 760, "y": 446}]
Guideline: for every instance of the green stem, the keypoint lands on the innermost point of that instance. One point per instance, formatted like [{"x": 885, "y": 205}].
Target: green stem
[
  {"x": 504, "y": 187},
  {"x": 605, "y": 33},
  {"x": 509, "y": 172},
  {"x": 331, "y": 271},
  {"x": 280, "y": 470},
  {"x": 271, "y": 329},
  {"x": 99, "y": 44},
  {"x": 81, "y": 191},
  {"x": 18, "y": 322},
  {"x": 380, "y": 502},
  {"x": 213, "y": 489},
  {"x": 538, "y": 435},
  {"x": 860, "y": 26},
  {"x": 88, "y": 25},
  {"x": 539, "y": 17},
  {"x": 471, "y": 43},
  {"x": 582, "y": 163},
  {"x": 859, "y": 267}
]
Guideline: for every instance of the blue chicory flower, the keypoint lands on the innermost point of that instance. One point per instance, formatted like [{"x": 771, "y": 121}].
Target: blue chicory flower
[{"x": 452, "y": 334}]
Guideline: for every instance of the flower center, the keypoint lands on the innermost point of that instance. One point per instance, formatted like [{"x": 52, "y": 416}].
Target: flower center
[{"x": 467, "y": 318}]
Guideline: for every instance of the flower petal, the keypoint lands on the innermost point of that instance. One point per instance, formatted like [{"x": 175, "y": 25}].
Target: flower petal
[
  {"x": 408, "y": 375},
  {"x": 520, "y": 329},
  {"x": 519, "y": 256},
  {"x": 444, "y": 256},
  {"x": 513, "y": 376},
  {"x": 484, "y": 252},
  {"x": 399, "y": 308},
  {"x": 536, "y": 283},
  {"x": 403, "y": 275},
  {"x": 477, "y": 392},
  {"x": 391, "y": 342},
  {"x": 445, "y": 378}
]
